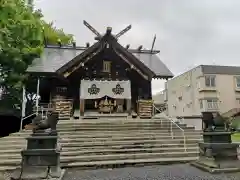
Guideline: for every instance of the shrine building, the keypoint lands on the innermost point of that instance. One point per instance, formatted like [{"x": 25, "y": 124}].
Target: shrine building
[{"x": 104, "y": 78}]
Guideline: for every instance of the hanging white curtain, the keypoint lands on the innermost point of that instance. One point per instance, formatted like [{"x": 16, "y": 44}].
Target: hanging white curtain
[{"x": 98, "y": 89}]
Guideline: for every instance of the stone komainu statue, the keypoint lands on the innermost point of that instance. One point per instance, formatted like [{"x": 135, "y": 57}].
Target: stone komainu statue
[
  {"x": 213, "y": 123},
  {"x": 42, "y": 124}
]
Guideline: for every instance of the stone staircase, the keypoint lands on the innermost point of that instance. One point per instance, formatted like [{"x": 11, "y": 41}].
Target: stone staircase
[{"x": 111, "y": 143}]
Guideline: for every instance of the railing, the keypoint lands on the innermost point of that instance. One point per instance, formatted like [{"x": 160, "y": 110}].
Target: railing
[
  {"x": 23, "y": 118},
  {"x": 172, "y": 123},
  {"x": 40, "y": 109},
  {"x": 212, "y": 105}
]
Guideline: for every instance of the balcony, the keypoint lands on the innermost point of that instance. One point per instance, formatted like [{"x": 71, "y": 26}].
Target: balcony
[
  {"x": 209, "y": 105},
  {"x": 202, "y": 87}
]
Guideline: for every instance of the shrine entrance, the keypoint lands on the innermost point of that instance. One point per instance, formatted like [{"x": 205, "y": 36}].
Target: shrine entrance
[{"x": 105, "y": 97}]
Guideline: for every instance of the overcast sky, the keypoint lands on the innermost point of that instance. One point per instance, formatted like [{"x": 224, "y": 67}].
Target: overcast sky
[{"x": 189, "y": 32}]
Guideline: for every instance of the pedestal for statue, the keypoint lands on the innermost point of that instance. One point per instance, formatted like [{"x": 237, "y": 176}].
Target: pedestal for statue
[
  {"x": 217, "y": 152},
  {"x": 41, "y": 159}
]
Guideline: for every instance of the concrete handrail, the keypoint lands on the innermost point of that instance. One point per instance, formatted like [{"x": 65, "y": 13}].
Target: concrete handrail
[
  {"x": 171, "y": 129},
  {"x": 35, "y": 113},
  {"x": 23, "y": 118}
]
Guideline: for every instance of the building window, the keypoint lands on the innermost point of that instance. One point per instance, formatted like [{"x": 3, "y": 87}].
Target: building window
[
  {"x": 238, "y": 100},
  {"x": 210, "y": 81},
  {"x": 212, "y": 104},
  {"x": 237, "y": 81},
  {"x": 107, "y": 66}
]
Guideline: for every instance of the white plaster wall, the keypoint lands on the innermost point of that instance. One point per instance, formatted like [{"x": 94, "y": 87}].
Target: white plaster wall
[{"x": 195, "y": 122}]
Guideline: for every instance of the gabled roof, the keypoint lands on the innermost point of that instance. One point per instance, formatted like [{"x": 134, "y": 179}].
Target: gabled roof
[
  {"x": 55, "y": 59},
  {"x": 52, "y": 59},
  {"x": 153, "y": 62}
]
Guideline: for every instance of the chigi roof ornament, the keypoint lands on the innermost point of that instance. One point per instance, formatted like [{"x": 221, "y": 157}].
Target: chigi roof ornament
[{"x": 108, "y": 31}]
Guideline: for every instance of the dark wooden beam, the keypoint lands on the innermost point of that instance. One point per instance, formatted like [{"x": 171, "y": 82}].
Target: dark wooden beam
[
  {"x": 77, "y": 66},
  {"x": 131, "y": 65},
  {"x": 145, "y": 51},
  {"x": 79, "y": 58}
]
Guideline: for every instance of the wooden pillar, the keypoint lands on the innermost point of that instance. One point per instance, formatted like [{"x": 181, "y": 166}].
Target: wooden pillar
[
  {"x": 37, "y": 99},
  {"x": 150, "y": 89},
  {"x": 82, "y": 107},
  {"x": 129, "y": 106}
]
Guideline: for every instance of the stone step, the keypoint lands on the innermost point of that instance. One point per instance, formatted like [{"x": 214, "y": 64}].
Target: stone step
[
  {"x": 74, "y": 142},
  {"x": 113, "y": 135},
  {"x": 131, "y": 162},
  {"x": 9, "y": 168},
  {"x": 114, "y": 164},
  {"x": 9, "y": 151},
  {"x": 89, "y": 158},
  {"x": 165, "y": 124},
  {"x": 112, "y": 149},
  {"x": 66, "y": 152},
  {"x": 98, "y": 144},
  {"x": 119, "y": 130},
  {"x": 70, "y": 159},
  {"x": 176, "y": 132},
  {"x": 125, "y": 138},
  {"x": 120, "y": 142},
  {"x": 104, "y": 134},
  {"x": 19, "y": 147},
  {"x": 111, "y": 128},
  {"x": 14, "y": 146},
  {"x": 121, "y": 125},
  {"x": 130, "y": 146},
  {"x": 153, "y": 126},
  {"x": 78, "y": 138},
  {"x": 112, "y": 120},
  {"x": 16, "y": 154}
]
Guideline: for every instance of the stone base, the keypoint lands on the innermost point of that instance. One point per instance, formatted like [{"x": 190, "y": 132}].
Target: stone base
[
  {"x": 32, "y": 173},
  {"x": 213, "y": 166},
  {"x": 47, "y": 157}
]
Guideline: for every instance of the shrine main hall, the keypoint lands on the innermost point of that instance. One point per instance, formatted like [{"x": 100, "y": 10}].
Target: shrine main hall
[{"x": 102, "y": 78}]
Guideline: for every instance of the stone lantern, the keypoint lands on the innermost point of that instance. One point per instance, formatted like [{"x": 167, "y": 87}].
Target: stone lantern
[{"x": 217, "y": 152}]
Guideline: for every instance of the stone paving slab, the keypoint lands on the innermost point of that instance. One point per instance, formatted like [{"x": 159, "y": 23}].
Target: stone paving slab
[
  {"x": 8, "y": 174},
  {"x": 169, "y": 172}
]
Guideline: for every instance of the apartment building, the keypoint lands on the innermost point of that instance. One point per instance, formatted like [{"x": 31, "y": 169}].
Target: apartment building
[{"x": 203, "y": 88}]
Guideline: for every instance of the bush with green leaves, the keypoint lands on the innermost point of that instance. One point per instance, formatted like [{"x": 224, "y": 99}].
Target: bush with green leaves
[{"x": 22, "y": 32}]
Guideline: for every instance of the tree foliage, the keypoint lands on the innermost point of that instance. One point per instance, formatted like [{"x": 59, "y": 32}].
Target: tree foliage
[{"x": 22, "y": 32}]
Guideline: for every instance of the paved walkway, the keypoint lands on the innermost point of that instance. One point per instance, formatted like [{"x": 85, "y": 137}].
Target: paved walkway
[{"x": 171, "y": 172}]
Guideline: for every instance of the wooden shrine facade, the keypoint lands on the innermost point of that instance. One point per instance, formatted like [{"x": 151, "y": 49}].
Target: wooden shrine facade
[{"x": 105, "y": 77}]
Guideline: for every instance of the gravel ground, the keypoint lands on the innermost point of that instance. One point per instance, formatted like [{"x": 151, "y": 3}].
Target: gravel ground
[{"x": 171, "y": 172}]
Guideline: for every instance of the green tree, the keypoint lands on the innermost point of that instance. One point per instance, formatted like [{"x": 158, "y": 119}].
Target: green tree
[{"x": 21, "y": 41}]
